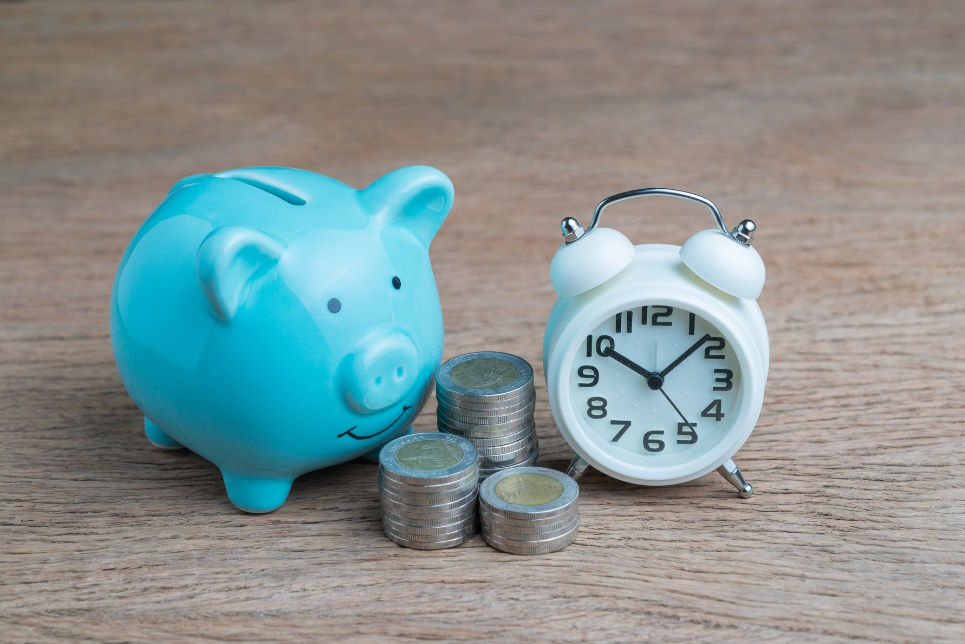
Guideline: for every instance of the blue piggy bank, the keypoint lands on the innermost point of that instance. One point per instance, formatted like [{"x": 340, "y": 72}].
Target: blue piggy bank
[{"x": 276, "y": 321}]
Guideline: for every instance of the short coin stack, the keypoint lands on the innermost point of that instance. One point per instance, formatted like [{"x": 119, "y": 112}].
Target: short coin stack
[
  {"x": 429, "y": 486},
  {"x": 529, "y": 510},
  {"x": 488, "y": 398}
]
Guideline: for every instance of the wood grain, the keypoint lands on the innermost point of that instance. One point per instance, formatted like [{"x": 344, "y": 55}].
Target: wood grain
[{"x": 838, "y": 127}]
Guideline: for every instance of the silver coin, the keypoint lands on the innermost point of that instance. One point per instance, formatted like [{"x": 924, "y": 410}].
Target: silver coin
[
  {"x": 428, "y": 458},
  {"x": 469, "y": 516},
  {"x": 423, "y": 545},
  {"x": 482, "y": 442},
  {"x": 430, "y": 483},
  {"x": 529, "y": 461},
  {"x": 423, "y": 498},
  {"x": 531, "y": 541},
  {"x": 513, "y": 458},
  {"x": 490, "y": 451},
  {"x": 484, "y": 374},
  {"x": 483, "y": 414},
  {"x": 389, "y": 479},
  {"x": 536, "y": 523},
  {"x": 427, "y": 520},
  {"x": 537, "y": 548},
  {"x": 462, "y": 533},
  {"x": 420, "y": 519},
  {"x": 421, "y": 538},
  {"x": 485, "y": 430},
  {"x": 462, "y": 398},
  {"x": 451, "y": 413},
  {"x": 442, "y": 529},
  {"x": 503, "y": 462},
  {"x": 429, "y": 502},
  {"x": 469, "y": 408},
  {"x": 501, "y": 532},
  {"x": 491, "y": 439},
  {"x": 543, "y": 521},
  {"x": 523, "y": 492},
  {"x": 410, "y": 509},
  {"x": 467, "y": 528},
  {"x": 470, "y": 421},
  {"x": 486, "y": 473}
]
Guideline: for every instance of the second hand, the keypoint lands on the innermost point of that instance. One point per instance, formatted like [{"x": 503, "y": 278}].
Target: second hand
[{"x": 677, "y": 409}]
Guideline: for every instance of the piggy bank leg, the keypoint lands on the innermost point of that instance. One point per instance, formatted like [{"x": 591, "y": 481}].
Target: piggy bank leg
[
  {"x": 256, "y": 493},
  {"x": 373, "y": 456},
  {"x": 157, "y": 436}
]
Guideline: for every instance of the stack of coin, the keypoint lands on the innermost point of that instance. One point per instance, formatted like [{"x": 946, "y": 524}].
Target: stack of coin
[
  {"x": 488, "y": 398},
  {"x": 529, "y": 510},
  {"x": 429, "y": 486}
]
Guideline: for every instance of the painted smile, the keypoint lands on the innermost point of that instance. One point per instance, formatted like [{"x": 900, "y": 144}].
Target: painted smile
[{"x": 351, "y": 430}]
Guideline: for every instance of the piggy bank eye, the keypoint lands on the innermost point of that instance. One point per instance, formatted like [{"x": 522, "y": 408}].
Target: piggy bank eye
[
  {"x": 396, "y": 282},
  {"x": 334, "y": 305}
]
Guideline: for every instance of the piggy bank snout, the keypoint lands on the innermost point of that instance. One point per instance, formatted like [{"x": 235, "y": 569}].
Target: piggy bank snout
[{"x": 380, "y": 372}]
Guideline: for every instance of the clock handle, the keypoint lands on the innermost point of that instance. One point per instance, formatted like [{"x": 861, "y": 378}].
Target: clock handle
[{"x": 742, "y": 233}]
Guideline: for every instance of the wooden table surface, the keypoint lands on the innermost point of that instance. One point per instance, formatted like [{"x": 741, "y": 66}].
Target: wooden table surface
[{"x": 838, "y": 127}]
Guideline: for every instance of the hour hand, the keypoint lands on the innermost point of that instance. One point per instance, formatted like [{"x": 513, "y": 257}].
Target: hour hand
[{"x": 610, "y": 352}]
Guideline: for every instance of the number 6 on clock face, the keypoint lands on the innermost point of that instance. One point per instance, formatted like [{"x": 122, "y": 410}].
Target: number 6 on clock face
[{"x": 656, "y": 384}]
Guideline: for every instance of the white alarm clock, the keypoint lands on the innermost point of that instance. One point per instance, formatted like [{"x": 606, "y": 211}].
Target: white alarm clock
[{"x": 656, "y": 355}]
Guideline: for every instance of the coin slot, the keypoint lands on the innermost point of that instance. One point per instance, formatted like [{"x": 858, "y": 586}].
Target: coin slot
[{"x": 274, "y": 190}]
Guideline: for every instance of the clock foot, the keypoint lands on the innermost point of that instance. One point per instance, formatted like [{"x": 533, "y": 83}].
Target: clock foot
[
  {"x": 577, "y": 468},
  {"x": 732, "y": 474}
]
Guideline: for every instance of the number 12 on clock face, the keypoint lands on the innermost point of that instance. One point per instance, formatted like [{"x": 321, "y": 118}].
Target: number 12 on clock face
[{"x": 655, "y": 382}]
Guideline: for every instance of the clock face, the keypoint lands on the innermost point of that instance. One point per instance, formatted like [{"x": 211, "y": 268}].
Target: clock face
[{"x": 655, "y": 385}]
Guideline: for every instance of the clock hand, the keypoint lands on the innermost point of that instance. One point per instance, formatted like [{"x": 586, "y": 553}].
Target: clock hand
[
  {"x": 683, "y": 356},
  {"x": 654, "y": 381},
  {"x": 677, "y": 409}
]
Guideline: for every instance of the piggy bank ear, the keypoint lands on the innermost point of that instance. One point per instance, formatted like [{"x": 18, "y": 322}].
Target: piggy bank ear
[
  {"x": 228, "y": 261},
  {"x": 416, "y": 198}
]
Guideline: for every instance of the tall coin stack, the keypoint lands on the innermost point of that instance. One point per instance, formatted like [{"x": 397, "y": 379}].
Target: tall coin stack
[
  {"x": 429, "y": 486},
  {"x": 488, "y": 398},
  {"x": 529, "y": 510}
]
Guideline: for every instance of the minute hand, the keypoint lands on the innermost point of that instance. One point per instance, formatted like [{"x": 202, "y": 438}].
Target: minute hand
[{"x": 686, "y": 354}]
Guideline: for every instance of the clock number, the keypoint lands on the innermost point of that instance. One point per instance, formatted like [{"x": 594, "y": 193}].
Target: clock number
[
  {"x": 657, "y": 315},
  {"x": 714, "y": 344},
  {"x": 618, "y": 325},
  {"x": 691, "y": 324},
  {"x": 686, "y": 434},
  {"x": 725, "y": 380},
  {"x": 601, "y": 341},
  {"x": 596, "y": 407},
  {"x": 590, "y": 373},
  {"x": 603, "y": 344},
  {"x": 624, "y": 426},
  {"x": 653, "y": 444},
  {"x": 713, "y": 411}
]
